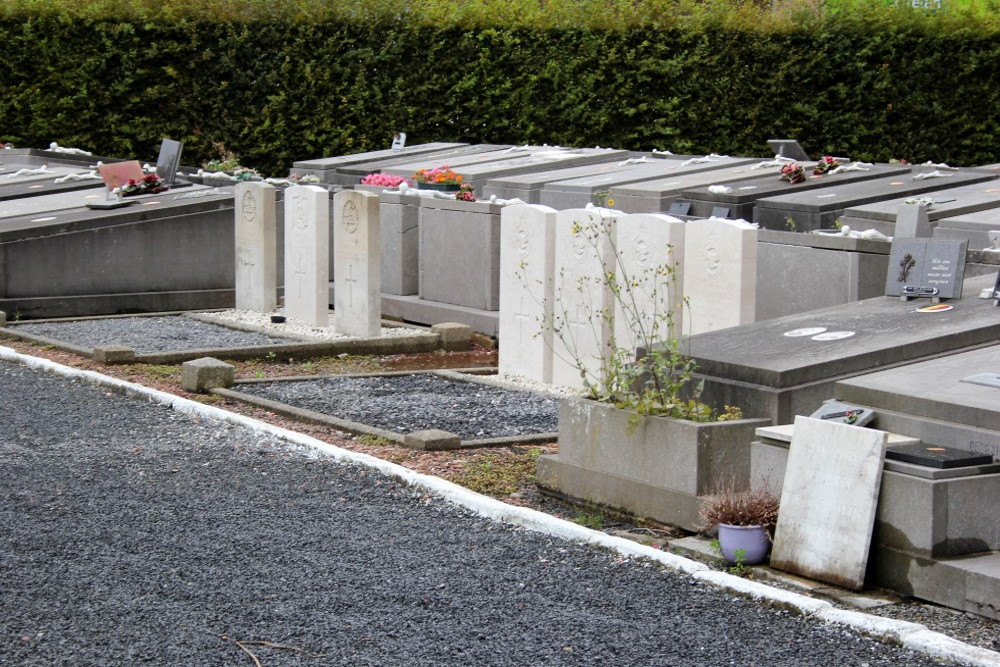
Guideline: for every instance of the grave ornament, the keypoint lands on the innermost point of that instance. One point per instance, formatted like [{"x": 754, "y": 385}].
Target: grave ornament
[
  {"x": 56, "y": 148},
  {"x": 926, "y": 268}
]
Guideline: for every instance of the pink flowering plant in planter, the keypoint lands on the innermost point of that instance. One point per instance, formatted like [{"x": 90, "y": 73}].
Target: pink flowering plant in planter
[
  {"x": 465, "y": 193},
  {"x": 381, "y": 180},
  {"x": 442, "y": 175}
]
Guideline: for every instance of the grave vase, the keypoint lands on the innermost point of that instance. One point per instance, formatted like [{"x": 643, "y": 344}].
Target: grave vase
[
  {"x": 440, "y": 187},
  {"x": 746, "y": 545}
]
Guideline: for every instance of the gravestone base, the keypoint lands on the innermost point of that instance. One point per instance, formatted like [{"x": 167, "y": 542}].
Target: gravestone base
[
  {"x": 83, "y": 305},
  {"x": 420, "y": 311}
]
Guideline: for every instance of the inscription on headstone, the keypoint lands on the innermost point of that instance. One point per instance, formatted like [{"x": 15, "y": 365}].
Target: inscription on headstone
[
  {"x": 256, "y": 254},
  {"x": 307, "y": 254},
  {"x": 357, "y": 307},
  {"x": 936, "y": 264},
  {"x": 527, "y": 253},
  {"x": 828, "y": 501}
]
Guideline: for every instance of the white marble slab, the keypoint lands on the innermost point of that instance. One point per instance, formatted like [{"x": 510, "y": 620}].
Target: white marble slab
[{"x": 828, "y": 501}]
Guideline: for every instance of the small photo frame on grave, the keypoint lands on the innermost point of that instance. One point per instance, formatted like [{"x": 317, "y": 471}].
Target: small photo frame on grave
[{"x": 398, "y": 141}]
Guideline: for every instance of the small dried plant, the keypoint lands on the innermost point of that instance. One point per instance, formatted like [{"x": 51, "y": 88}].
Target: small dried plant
[{"x": 734, "y": 506}]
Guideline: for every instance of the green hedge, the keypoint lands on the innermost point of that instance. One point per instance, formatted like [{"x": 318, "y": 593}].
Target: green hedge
[{"x": 872, "y": 84}]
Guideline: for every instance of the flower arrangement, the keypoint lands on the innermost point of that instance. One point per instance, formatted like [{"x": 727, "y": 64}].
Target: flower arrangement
[
  {"x": 442, "y": 175},
  {"x": 383, "y": 180},
  {"x": 826, "y": 163},
  {"x": 793, "y": 173},
  {"x": 148, "y": 184},
  {"x": 465, "y": 193},
  {"x": 308, "y": 178},
  {"x": 243, "y": 174}
]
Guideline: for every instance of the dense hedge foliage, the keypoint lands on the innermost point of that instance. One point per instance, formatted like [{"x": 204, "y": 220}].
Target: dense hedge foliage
[{"x": 276, "y": 82}]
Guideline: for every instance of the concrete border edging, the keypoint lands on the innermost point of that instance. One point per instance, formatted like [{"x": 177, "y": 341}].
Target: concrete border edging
[{"x": 912, "y": 636}]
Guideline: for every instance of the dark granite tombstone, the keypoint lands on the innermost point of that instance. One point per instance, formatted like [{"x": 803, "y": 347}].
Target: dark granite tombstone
[
  {"x": 169, "y": 160},
  {"x": 743, "y": 196},
  {"x": 528, "y": 187},
  {"x": 325, "y": 168},
  {"x": 820, "y": 210},
  {"x": 786, "y": 366},
  {"x": 926, "y": 263},
  {"x": 936, "y": 456},
  {"x": 789, "y": 148}
]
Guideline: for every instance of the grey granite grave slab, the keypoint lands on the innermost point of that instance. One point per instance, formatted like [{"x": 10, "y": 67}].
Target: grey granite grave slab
[
  {"x": 776, "y": 368},
  {"x": 354, "y": 173},
  {"x": 801, "y": 272},
  {"x": 484, "y": 153},
  {"x": 946, "y": 203},
  {"x": 544, "y": 159},
  {"x": 926, "y": 264},
  {"x": 659, "y": 194},
  {"x": 935, "y": 389},
  {"x": 164, "y": 252},
  {"x": 744, "y": 194},
  {"x": 974, "y": 227},
  {"x": 528, "y": 187},
  {"x": 41, "y": 184},
  {"x": 56, "y": 201},
  {"x": 578, "y": 192},
  {"x": 827, "y": 513},
  {"x": 338, "y": 161},
  {"x": 820, "y": 209}
]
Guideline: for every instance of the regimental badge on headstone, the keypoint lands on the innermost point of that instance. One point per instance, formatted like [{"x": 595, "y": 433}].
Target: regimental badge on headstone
[{"x": 933, "y": 268}]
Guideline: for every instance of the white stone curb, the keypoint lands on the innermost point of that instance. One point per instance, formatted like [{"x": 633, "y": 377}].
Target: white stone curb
[{"x": 912, "y": 636}]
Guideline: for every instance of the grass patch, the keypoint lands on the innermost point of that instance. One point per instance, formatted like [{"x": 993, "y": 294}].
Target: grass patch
[
  {"x": 374, "y": 440},
  {"x": 499, "y": 474},
  {"x": 590, "y": 519}
]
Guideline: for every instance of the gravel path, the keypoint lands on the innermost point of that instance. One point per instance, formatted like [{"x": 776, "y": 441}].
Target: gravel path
[
  {"x": 130, "y": 533},
  {"x": 406, "y": 403},
  {"x": 146, "y": 335}
]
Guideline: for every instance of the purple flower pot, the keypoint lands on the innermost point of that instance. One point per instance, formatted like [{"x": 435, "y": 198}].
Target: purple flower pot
[{"x": 752, "y": 539}]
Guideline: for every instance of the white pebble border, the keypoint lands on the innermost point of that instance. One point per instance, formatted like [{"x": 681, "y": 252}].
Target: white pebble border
[
  {"x": 293, "y": 326},
  {"x": 913, "y": 636},
  {"x": 516, "y": 382}
]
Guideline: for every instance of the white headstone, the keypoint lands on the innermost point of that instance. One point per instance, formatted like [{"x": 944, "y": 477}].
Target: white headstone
[
  {"x": 650, "y": 249},
  {"x": 828, "y": 501},
  {"x": 357, "y": 274},
  {"x": 582, "y": 304},
  {"x": 307, "y": 254},
  {"x": 527, "y": 254},
  {"x": 256, "y": 253},
  {"x": 720, "y": 274}
]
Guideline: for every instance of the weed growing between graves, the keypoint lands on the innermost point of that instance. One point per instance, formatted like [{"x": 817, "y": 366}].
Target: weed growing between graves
[
  {"x": 641, "y": 305},
  {"x": 374, "y": 440},
  {"x": 499, "y": 473},
  {"x": 590, "y": 519}
]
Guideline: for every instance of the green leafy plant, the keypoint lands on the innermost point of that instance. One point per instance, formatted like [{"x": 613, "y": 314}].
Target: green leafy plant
[
  {"x": 590, "y": 519},
  {"x": 660, "y": 382}
]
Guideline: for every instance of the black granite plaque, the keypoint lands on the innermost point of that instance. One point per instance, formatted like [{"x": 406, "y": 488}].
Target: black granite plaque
[
  {"x": 936, "y": 456},
  {"x": 680, "y": 208},
  {"x": 720, "y": 212},
  {"x": 931, "y": 263},
  {"x": 169, "y": 159},
  {"x": 844, "y": 413},
  {"x": 789, "y": 148},
  {"x": 106, "y": 204}
]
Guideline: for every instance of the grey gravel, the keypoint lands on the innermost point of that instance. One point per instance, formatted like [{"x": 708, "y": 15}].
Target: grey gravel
[
  {"x": 146, "y": 335},
  {"x": 132, "y": 534},
  {"x": 406, "y": 403}
]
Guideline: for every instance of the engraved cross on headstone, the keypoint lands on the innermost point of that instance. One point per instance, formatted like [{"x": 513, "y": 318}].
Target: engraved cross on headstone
[
  {"x": 521, "y": 317},
  {"x": 301, "y": 272},
  {"x": 350, "y": 280},
  {"x": 244, "y": 256}
]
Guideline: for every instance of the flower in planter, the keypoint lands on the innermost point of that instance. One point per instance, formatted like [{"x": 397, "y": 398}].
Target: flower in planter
[
  {"x": 465, "y": 193},
  {"x": 442, "y": 175},
  {"x": 383, "y": 180},
  {"x": 825, "y": 164},
  {"x": 793, "y": 173}
]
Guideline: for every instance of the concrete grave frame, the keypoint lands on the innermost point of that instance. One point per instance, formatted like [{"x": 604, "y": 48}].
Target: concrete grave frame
[{"x": 656, "y": 469}]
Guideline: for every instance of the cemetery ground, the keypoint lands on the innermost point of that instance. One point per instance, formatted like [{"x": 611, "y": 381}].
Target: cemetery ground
[{"x": 506, "y": 473}]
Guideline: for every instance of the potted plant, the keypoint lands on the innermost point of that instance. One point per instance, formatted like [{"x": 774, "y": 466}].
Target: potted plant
[
  {"x": 745, "y": 518},
  {"x": 439, "y": 178}
]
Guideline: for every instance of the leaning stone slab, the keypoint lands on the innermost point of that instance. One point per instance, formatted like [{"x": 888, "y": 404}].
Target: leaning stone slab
[
  {"x": 207, "y": 373},
  {"x": 114, "y": 354},
  {"x": 432, "y": 439},
  {"x": 828, "y": 502}
]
